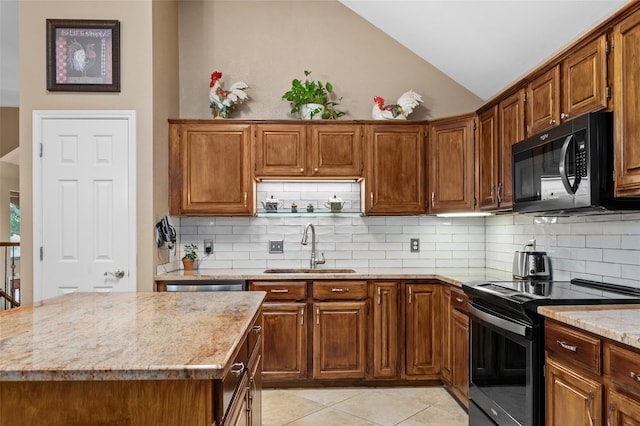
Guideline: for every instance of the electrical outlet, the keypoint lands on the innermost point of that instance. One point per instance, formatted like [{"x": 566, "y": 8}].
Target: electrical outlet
[
  {"x": 415, "y": 245},
  {"x": 276, "y": 246},
  {"x": 208, "y": 246}
]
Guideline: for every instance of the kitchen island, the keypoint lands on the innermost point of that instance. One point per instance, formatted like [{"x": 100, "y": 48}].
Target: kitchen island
[{"x": 127, "y": 358}]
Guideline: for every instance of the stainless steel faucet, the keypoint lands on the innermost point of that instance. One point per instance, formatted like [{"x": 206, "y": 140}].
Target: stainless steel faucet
[{"x": 314, "y": 262}]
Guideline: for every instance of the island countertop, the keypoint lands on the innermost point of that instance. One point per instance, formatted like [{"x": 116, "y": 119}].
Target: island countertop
[{"x": 126, "y": 336}]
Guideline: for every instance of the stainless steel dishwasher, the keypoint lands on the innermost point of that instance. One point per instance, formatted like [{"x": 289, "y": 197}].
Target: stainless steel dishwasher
[{"x": 204, "y": 285}]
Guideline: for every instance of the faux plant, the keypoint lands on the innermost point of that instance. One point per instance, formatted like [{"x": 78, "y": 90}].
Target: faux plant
[
  {"x": 190, "y": 252},
  {"x": 312, "y": 92}
]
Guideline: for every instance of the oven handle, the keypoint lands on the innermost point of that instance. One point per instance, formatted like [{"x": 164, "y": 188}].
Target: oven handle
[{"x": 519, "y": 329}]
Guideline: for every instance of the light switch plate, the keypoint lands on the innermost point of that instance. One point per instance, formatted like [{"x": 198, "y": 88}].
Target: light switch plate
[
  {"x": 276, "y": 246},
  {"x": 415, "y": 245}
]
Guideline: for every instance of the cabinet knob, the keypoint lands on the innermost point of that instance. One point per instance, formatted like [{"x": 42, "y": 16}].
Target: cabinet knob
[
  {"x": 315, "y": 170},
  {"x": 552, "y": 121},
  {"x": 564, "y": 116},
  {"x": 301, "y": 169}
]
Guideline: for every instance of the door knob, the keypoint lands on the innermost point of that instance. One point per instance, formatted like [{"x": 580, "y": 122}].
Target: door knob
[{"x": 118, "y": 273}]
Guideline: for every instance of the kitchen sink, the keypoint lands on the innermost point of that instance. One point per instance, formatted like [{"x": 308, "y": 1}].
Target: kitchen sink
[{"x": 308, "y": 271}]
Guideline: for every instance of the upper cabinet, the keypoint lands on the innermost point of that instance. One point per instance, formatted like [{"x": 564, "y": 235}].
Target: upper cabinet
[
  {"x": 511, "y": 115},
  {"x": 299, "y": 150},
  {"x": 451, "y": 164},
  {"x": 488, "y": 160},
  {"x": 210, "y": 169},
  {"x": 395, "y": 173},
  {"x": 576, "y": 85},
  {"x": 626, "y": 83}
]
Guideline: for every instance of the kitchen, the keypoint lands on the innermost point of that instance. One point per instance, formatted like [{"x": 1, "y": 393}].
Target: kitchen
[{"x": 581, "y": 239}]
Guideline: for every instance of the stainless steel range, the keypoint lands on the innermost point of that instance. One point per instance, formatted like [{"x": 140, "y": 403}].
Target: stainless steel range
[{"x": 506, "y": 383}]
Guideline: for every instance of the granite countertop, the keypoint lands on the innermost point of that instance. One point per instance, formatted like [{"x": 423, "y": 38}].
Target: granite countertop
[
  {"x": 453, "y": 276},
  {"x": 126, "y": 336},
  {"x": 615, "y": 322}
]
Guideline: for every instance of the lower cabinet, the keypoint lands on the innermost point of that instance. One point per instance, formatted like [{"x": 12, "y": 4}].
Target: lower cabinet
[
  {"x": 590, "y": 380},
  {"x": 423, "y": 343},
  {"x": 385, "y": 346},
  {"x": 455, "y": 343}
]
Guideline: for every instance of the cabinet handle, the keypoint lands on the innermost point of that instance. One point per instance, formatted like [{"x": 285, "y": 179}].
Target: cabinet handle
[
  {"x": 301, "y": 169},
  {"x": 237, "y": 369},
  {"x": 371, "y": 196},
  {"x": 552, "y": 121},
  {"x": 589, "y": 401},
  {"x": 564, "y": 116},
  {"x": 563, "y": 345},
  {"x": 379, "y": 295},
  {"x": 634, "y": 376},
  {"x": 410, "y": 294},
  {"x": 256, "y": 329},
  {"x": 459, "y": 299},
  {"x": 433, "y": 199},
  {"x": 493, "y": 190},
  {"x": 609, "y": 414},
  {"x": 315, "y": 170},
  {"x": 245, "y": 198},
  {"x": 340, "y": 290},
  {"x": 302, "y": 316},
  {"x": 500, "y": 192},
  {"x": 279, "y": 290},
  {"x": 318, "y": 316}
]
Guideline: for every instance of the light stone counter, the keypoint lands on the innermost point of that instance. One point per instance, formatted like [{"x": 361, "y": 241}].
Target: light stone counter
[
  {"x": 126, "y": 336},
  {"x": 620, "y": 323},
  {"x": 453, "y": 276}
]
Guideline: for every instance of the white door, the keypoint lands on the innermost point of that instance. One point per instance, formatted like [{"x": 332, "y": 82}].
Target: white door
[{"x": 84, "y": 202}]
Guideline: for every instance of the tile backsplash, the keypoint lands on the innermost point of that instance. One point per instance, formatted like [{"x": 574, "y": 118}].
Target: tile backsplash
[{"x": 602, "y": 247}]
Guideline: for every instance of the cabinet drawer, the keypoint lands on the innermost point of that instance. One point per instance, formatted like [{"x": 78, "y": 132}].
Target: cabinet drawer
[
  {"x": 574, "y": 346},
  {"x": 623, "y": 367},
  {"x": 281, "y": 290},
  {"x": 352, "y": 290},
  {"x": 459, "y": 300}
]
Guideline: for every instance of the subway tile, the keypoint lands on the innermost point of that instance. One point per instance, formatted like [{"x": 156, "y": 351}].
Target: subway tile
[
  {"x": 631, "y": 242},
  {"x": 571, "y": 240},
  {"x": 629, "y": 257},
  {"x": 602, "y": 268},
  {"x": 606, "y": 241}
]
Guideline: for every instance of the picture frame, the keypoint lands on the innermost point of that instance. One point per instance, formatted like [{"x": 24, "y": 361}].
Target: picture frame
[{"x": 83, "y": 55}]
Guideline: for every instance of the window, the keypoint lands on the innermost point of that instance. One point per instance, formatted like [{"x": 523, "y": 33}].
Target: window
[{"x": 14, "y": 219}]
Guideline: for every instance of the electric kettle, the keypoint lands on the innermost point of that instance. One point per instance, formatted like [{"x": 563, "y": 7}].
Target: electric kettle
[{"x": 531, "y": 264}]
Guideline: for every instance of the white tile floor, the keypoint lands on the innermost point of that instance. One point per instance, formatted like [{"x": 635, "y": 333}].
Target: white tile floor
[{"x": 361, "y": 406}]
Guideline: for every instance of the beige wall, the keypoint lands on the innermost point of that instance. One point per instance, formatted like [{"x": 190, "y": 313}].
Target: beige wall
[
  {"x": 268, "y": 43},
  {"x": 137, "y": 93},
  {"x": 9, "y": 129}
]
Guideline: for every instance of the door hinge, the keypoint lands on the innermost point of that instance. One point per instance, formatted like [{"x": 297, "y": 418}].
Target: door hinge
[
  {"x": 525, "y": 97},
  {"x": 607, "y": 47},
  {"x": 180, "y": 133},
  {"x": 474, "y": 124},
  {"x": 41, "y": 148},
  {"x": 607, "y": 92},
  {"x": 41, "y": 253}
]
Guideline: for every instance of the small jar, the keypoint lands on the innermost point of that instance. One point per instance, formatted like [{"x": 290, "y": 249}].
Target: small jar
[
  {"x": 309, "y": 207},
  {"x": 294, "y": 208}
]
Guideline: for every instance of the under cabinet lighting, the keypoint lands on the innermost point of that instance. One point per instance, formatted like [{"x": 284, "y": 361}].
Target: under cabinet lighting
[{"x": 465, "y": 214}]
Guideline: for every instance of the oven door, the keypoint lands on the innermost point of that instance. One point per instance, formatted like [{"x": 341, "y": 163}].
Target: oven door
[{"x": 506, "y": 371}]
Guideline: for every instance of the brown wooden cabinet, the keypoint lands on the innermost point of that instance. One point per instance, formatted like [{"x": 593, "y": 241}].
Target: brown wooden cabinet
[
  {"x": 384, "y": 335},
  {"x": 451, "y": 164},
  {"x": 622, "y": 410},
  {"x": 395, "y": 173},
  {"x": 488, "y": 157},
  {"x": 455, "y": 343},
  {"x": 423, "y": 342},
  {"x": 301, "y": 150},
  {"x": 543, "y": 101},
  {"x": 210, "y": 169},
  {"x": 284, "y": 326},
  {"x": 447, "y": 363},
  {"x": 626, "y": 84},
  {"x": 511, "y": 120}
]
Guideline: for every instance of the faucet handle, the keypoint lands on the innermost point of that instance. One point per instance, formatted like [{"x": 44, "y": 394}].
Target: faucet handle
[{"x": 321, "y": 262}]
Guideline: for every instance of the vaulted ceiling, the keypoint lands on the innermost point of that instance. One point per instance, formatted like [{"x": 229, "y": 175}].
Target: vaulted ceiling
[{"x": 485, "y": 45}]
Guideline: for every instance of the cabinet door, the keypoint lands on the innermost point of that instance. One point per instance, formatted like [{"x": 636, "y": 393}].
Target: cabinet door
[
  {"x": 584, "y": 80},
  {"x": 622, "y": 410},
  {"x": 451, "y": 183},
  {"x": 511, "y": 121},
  {"x": 543, "y": 101},
  {"x": 572, "y": 397},
  {"x": 336, "y": 150},
  {"x": 626, "y": 83},
  {"x": 446, "y": 335},
  {"x": 255, "y": 392},
  {"x": 284, "y": 341},
  {"x": 385, "y": 330},
  {"x": 210, "y": 170},
  {"x": 280, "y": 150},
  {"x": 460, "y": 355},
  {"x": 395, "y": 179},
  {"x": 488, "y": 159},
  {"x": 423, "y": 327},
  {"x": 339, "y": 350}
]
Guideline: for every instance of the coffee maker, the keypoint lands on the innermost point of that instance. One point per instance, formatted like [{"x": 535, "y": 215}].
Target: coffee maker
[{"x": 531, "y": 264}]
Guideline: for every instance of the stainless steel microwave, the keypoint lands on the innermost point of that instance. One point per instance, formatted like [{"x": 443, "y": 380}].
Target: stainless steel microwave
[{"x": 568, "y": 169}]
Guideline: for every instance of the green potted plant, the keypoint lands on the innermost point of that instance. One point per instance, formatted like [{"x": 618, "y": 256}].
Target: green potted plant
[
  {"x": 311, "y": 99},
  {"x": 190, "y": 256}
]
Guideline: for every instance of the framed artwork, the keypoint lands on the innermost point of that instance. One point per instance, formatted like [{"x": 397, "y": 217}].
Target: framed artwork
[{"x": 83, "y": 55}]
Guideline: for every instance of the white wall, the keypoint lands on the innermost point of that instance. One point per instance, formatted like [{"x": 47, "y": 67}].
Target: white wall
[{"x": 601, "y": 248}]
